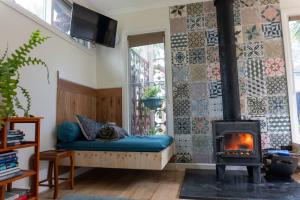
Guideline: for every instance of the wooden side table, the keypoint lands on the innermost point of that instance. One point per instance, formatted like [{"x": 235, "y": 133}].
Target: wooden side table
[{"x": 54, "y": 157}]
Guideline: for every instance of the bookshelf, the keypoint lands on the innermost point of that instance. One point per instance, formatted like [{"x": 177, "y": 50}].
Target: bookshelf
[{"x": 9, "y": 124}]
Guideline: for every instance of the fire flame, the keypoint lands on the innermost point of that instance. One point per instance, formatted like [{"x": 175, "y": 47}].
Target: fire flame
[{"x": 239, "y": 141}]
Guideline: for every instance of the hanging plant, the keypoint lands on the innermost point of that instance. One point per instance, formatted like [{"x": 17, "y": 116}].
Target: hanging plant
[
  {"x": 10, "y": 77},
  {"x": 151, "y": 98}
]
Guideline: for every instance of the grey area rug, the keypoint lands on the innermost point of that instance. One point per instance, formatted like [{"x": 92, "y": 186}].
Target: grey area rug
[{"x": 87, "y": 197}]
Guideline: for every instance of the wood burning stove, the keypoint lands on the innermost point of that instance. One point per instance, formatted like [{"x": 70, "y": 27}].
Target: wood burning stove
[{"x": 237, "y": 142}]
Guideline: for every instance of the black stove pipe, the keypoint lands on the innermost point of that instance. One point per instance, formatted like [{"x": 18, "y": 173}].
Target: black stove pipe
[{"x": 228, "y": 60}]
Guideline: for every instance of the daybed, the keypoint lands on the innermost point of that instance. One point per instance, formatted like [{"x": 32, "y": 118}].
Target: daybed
[{"x": 148, "y": 153}]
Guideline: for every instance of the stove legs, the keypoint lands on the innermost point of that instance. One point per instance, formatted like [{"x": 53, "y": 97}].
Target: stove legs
[
  {"x": 220, "y": 171},
  {"x": 254, "y": 172}
]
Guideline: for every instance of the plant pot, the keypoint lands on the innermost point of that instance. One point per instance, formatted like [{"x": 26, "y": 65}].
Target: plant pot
[{"x": 153, "y": 102}]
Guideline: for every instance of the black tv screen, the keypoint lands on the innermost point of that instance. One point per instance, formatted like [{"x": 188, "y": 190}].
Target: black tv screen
[{"x": 92, "y": 26}]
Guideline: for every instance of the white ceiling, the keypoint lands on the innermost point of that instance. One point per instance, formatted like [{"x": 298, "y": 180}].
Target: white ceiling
[{"x": 115, "y": 7}]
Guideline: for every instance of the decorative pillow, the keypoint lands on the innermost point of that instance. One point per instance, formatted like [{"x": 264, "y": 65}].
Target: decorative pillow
[
  {"x": 89, "y": 128},
  {"x": 68, "y": 132},
  {"x": 111, "y": 132}
]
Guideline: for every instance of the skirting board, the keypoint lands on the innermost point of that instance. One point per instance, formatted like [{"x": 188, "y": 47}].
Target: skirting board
[
  {"x": 123, "y": 160},
  {"x": 184, "y": 166}
]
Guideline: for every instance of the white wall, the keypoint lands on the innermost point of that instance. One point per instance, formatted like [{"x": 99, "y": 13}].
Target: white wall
[
  {"x": 73, "y": 63},
  {"x": 285, "y": 4}
]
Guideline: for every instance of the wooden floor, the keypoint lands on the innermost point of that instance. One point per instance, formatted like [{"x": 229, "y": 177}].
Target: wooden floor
[{"x": 131, "y": 184}]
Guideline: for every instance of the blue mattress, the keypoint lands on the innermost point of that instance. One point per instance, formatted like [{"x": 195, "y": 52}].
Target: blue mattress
[{"x": 155, "y": 143}]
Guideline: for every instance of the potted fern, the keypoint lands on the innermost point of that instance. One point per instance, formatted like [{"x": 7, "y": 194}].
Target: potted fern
[
  {"x": 151, "y": 98},
  {"x": 10, "y": 77}
]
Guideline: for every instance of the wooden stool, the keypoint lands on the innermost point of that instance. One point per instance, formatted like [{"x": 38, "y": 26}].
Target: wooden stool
[{"x": 54, "y": 157}]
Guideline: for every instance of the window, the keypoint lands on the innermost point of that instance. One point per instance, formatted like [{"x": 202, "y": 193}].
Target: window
[
  {"x": 41, "y": 8},
  {"x": 294, "y": 74},
  {"x": 148, "y": 116},
  {"x": 57, "y": 13}
]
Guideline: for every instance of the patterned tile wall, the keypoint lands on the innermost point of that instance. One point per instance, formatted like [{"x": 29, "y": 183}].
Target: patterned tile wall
[{"x": 197, "y": 88}]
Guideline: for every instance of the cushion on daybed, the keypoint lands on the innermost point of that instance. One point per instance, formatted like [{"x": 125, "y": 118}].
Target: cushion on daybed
[
  {"x": 154, "y": 143},
  {"x": 69, "y": 132},
  {"x": 89, "y": 127},
  {"x": 111, "y": 132}
]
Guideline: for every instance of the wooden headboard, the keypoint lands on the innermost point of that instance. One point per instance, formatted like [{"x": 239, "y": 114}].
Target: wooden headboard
[{"x": 103, "y": 105}]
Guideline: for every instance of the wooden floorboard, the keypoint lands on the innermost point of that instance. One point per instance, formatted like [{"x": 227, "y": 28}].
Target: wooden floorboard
[{"x": 131, "y": 184}]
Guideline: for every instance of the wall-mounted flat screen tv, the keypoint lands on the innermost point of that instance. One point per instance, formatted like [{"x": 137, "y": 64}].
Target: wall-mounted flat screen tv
[{"x": 92, "y": 26}]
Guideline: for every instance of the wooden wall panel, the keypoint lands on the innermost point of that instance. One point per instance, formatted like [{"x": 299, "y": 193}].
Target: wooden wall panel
[
  {"x": 109, "y": 105},
  {"x": 103, "y": 105},
  {"x": 74, "y": 99}
]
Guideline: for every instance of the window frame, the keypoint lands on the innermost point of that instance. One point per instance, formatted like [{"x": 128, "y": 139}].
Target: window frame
[
  {"x": 285, "y": 15},
  {"x": 31, "y": 16}
]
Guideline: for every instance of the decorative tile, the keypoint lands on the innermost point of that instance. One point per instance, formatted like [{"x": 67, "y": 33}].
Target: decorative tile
[
  {"x": 198, "y": 73},
  {"x": 202, "y": 148},
  {"x": 183, "y": 148},
  {"x": 248, "y": 3},
  {"x": 256, "y": 84},
  {"x": 276, "y": 85},
  {"x": 265, "y": 140},
  {"x": 195, "y": 8},
  {"x": 195, "y": 23},
  {"x": 179, "y": 40},
  {"x": 178, "y": 25},
  {"x": 279, "y": 140},
  {"x": 210, "y": 20},
  {"x": 209, "y": 7},
  {"x": 214, "y": 73},
  {"x": 182, "y": 126},
  {"x": 212, "y": 38},
  {"x": 267, "y": 2},
  {"x": 182, "y": 108},
  {"x": 279, "y": 124},
  {"x": 238, "y": 34},
  {"x": 199, "y": 91},
  {"x": 239, "y": 52},
  {"x": 250, "y": 15},
  {"x": 243, "y": 87},
  {"x": 243, "y": 105},
  {"x": 254, "y": 68},
  {"x": 179, "y": 56},
  {"x": 197, "y": 56},
  {"x": 273, "y": 48},
  {"x": 200, "y": 125},
  {"x": 181, "y": 90},
  {"x": 252, "y": 33},
  {"x": 183, "y": 157},
  {"x": 237, "y": 17},
  {"x": 272, "y": 30},
  {"x": 278, "y": 105},
  {"x": 215, "y": 89},
  {"x": 212, "y": 54},
  {"x": 200, "y": 108},
  {"x": 180, "y": 73},
  {"x": 270, "y": 13},
  {"x": 253, "y": 50},
  {"x": 215, "y": 108},
  {"x": 256, "y": 106},
  {"x": 274, "y": 67},
  {"x": 178, "y": 11},
  {"x": 197, "y": 39},
  {"x": 263, "y": 122}
]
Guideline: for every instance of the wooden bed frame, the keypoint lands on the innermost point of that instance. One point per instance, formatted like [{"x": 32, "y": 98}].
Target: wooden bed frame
[{"x": 103, "y": 105}]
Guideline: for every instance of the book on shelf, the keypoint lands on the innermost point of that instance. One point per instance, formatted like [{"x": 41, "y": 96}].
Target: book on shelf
[
  {"x": 9, "y": 165},
  {"x": 17, "y": 194},
  {"x": 9, "y": 171},
  {"x": 19, "y": 173}
]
